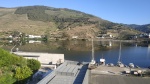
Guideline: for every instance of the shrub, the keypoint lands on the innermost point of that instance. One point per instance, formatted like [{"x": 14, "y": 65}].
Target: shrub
[
  {"x": 33, "y": 64},
  {"x": 22, "y": 73},
  {"x": 7, "y": 79}
]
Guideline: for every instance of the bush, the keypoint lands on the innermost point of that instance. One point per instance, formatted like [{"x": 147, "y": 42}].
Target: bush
[
  {"x": 13, "y": 69},
  {"x": 33, "y": 64},
  {"x": 22, "y": 73},
  {"x": 7, "y": 79},
  {"x": 7, "y": 59}
]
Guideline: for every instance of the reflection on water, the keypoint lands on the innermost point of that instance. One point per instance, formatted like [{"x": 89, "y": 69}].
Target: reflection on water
[
  {"x": 148, "y": 52},
  {"x": 137, "y": 53}
]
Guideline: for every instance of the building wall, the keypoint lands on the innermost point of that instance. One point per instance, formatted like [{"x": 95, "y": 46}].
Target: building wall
[{"x": 44, "y": 58}]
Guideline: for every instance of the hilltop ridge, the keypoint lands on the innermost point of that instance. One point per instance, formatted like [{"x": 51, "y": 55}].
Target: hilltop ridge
[
  {"x": 59, "y": 23},
  {"x": 144, "y": 28}
]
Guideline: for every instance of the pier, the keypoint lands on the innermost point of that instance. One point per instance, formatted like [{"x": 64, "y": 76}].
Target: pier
[
  {"x": 71, "y": 72},
  {"x": 117, "y": 75}
]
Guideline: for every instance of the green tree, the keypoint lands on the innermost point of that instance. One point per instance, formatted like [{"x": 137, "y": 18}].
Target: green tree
[
  {"x": 14, "y": 69},
  {"x": 33, "y": 64},
  {"x": 22, "y": 73},
  {"x": 7, "y": 79}
]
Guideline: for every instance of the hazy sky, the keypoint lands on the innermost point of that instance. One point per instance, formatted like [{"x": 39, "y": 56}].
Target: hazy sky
[{"x": 119, "y": 11}]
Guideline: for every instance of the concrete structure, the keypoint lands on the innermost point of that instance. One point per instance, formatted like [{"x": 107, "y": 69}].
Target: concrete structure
[
  {"x": 114, "y": 79},
  {"x": 44, "y": 58},
  {"x": 69, "y": 72},
  {"x": 116, "y": 75}
]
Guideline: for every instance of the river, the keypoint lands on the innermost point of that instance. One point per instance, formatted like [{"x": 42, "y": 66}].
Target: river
[{"x": 137, "y": 53}]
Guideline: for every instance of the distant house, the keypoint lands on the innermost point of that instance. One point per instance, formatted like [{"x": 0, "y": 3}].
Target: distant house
[
  {"x": 111, "y": 36},
  {"x": 33, "y": 41},
  {"x": 100, "y": 36},
  {"x": 10, "y": 36},
  {"x": 33, "y": 36},
  {"x": 74, "y": 37},
  {"x": 10, "y": 41}
]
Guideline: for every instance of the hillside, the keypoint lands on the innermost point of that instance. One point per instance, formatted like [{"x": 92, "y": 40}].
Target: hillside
[
  {"x": 58, "y": 23},
  {"x": 143, "y": 28}
]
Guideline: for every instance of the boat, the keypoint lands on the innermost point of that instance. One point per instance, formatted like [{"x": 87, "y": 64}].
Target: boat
[
  {"x": 102, "y": 61},
  {"x": 119, "y": 63},
  {"x": 137, "y": 66},
  {"x": 92, "y": 63},
  {"x": 131, "y": 65},
  {"x": 110, "y": 64},
  {"x": 93, "y": 60}
]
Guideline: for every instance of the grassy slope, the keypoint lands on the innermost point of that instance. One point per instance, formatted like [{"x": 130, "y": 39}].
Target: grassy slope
[
  {"x": 12, "y": 22},
  {"x": 144, "y": 28},
  {"x": 15, "y": 22}
]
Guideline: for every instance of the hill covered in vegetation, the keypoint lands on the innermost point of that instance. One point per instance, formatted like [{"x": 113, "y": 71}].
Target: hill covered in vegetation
[
  {"x": 144, "y": 28},
  {"x": 59, "y": 23}
]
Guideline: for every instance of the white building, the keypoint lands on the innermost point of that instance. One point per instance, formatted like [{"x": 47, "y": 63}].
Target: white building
[
  {"x": 110, "y": 36},
  {"x": 33, "y": 41},
  {"x": 10, "y": 36},
  {"x": 43, "y": 58},
  {"x": 74, "y": 37},
  {"x": 33, "y": 36}
]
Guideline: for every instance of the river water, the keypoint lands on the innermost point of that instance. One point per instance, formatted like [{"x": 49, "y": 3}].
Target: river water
[
  {"x": 137, "y": 53},
  {"x": 130, "y": 53}
]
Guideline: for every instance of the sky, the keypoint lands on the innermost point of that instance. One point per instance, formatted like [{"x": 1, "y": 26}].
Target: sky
[{"x": 118, "y": 11}]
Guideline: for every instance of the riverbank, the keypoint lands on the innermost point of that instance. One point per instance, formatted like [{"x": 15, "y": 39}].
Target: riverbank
[{"x": 102, "y": 39}]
